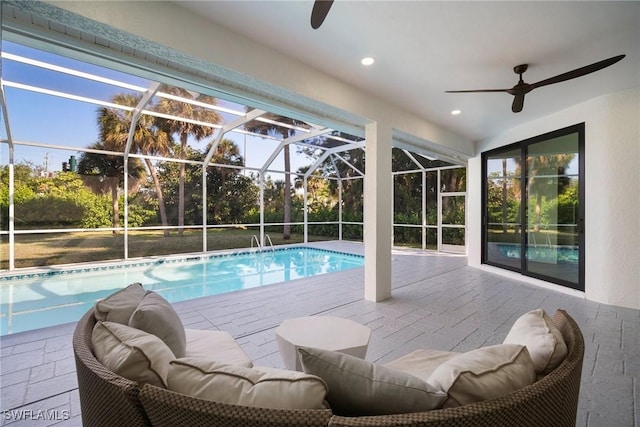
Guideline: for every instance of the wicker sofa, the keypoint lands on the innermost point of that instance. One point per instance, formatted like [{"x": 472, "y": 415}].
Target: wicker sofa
[{"x": 108, "y": 399}]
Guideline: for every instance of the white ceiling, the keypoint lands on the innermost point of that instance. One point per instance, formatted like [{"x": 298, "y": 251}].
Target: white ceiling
[{"x": 423, "y": 48}]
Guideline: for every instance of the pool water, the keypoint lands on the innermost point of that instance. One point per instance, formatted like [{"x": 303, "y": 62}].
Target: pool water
[
  {"x": 548, "y": 254},
  {"x": 37, "y": 300}
]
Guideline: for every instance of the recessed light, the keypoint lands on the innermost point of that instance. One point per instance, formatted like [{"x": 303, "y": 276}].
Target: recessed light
[
  {"x": 455, "y": 112},
  {"x": 367, "y": 61}
]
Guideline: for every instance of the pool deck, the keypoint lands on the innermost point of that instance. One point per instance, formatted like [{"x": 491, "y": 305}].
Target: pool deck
[{"x": 438, "y": 302}]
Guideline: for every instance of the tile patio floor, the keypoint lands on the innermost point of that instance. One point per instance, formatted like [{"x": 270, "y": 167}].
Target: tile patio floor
[{"x": 438, "y": 302}]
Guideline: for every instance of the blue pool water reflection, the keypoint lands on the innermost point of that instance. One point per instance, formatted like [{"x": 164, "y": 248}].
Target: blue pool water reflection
[{"x": 32, "y": 301}]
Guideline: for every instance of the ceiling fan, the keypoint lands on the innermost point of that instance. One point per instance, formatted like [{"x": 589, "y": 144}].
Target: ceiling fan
[
  {"x": 319, "y": 12},
  {"x": 522, "y": 88}
]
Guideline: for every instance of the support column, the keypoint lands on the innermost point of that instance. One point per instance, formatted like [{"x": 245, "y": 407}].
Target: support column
[{"x": 377, "y": 212}]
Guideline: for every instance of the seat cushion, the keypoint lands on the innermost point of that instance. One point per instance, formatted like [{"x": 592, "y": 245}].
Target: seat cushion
[
  {"x": 156, "y": 316},
  {"x": 215, "y": 345},
  {"x": 238, "y": 385},
  {"x": 421, "y": 363},
  {"x": 358, "y": 387},
  {"x": 485, "y": 373},
  {"x": 543, "y": 339},
  {"x": 131, "y": 353},
  {"x": 119, "y": 306}
]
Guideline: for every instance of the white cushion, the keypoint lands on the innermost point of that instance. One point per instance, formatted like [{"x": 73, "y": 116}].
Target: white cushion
[
  {"x": 215, "y": 345},
  {"x": 259, "y": 387},
  {"x": 155, "y": 315},
  {"x": 485, "y": 373},
  {"x": 543, "y": 339},
  {"x": 421, "y": 363},
  {"x": 119, "y": 306},
  {"x": 358, "y": 387},
  {"x": 131, "y": 353}
]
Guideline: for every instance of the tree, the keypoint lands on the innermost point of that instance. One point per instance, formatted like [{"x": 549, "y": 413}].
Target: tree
[
  {"x": 110, "y": 170},
  {"x": 186, "y": 129},
  {"x": 269, "y": 128},
  {"x": 541, "y": 170},
  {"x": 546, "y": 173},
  {"x": 148, "y": 139},
  {"x": 319, "y": 193}
]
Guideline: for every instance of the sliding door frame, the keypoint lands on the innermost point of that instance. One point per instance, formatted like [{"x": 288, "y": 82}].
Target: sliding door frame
[{"x": 523, "y": 146}]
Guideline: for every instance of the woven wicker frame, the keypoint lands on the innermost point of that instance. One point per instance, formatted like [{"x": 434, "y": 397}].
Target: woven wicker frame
[{"x": 108, "y": 399}]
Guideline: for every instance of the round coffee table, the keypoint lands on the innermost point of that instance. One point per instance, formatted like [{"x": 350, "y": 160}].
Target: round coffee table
[{"x": 326, "y": 332}]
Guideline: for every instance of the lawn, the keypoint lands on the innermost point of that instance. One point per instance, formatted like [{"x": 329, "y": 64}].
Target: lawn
[{"x": 36, "y": 250}]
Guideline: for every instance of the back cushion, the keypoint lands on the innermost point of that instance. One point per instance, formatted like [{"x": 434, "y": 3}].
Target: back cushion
[
  {"x": 131, "y": 353},
  {"x": 543, "y": 339},
  {"x": 119, "y": 306},
  {"x": 421, "y": 363},
  {"x": 238, "y": 385},
  {"x": 485, "y": 373},
  {"x": 359, "y": 387},
  {"x": 156, "y": 316}
]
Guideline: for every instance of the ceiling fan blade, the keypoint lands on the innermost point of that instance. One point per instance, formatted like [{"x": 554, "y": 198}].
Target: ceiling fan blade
[
  {"x": 518, "y": 103},
  {"x": 319, "y": 12},
  {"x": 477, "y": 90},
  {"x": 578, "y": 72}
]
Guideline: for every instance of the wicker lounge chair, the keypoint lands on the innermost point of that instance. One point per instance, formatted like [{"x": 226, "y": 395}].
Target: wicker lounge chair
[{"x": 107, "y": 399}]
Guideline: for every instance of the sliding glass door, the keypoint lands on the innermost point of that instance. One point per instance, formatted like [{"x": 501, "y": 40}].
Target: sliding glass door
[{"x": 534, "y": 207}]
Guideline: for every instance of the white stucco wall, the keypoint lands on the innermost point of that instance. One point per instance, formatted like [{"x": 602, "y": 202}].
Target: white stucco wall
[{"x": 612, "y": 179}]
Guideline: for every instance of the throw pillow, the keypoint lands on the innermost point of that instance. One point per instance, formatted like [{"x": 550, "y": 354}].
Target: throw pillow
[
  {"x": 156, "y": 316},
  {"x": 358, "y": 387},
  {"x": 238, "y": 385},
  {"x": 485, "y": 373},
  {"x": 118, "y": 306},
  {"x": 543, "y": 339},
  {"x": 131, "y": 353}
]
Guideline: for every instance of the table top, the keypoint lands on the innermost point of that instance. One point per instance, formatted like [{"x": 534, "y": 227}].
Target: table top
[{"x": 328, "y": 332}]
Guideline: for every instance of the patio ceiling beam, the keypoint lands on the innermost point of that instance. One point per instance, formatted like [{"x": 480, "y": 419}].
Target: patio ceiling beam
[
  {"x": 430, "y": 158},
  {"x": 137, "y": 111},
  {"x": 251, "y": 115},
  {"x": 181, "y": 119},
  {"x": 72, "y": 72},
  {"x": 200, "y": 104},
  {"x": 413, "y": 159},
  {"x": 290, "y": 140},
  {"x": 349, "y": 164},
  {"x": 317, "y": 163},
  {"x": 284, "y": 125},
  {"x": 11, "y": 207},
  {"x": 135, "y": 116},
  {"x": 5, "y": 116},
  {"x": 326, "y": 154},
  {"x": 112, "y": 82},
  {"x": 333, "y": 162},
  {"x": 66, "y": 95},
  {"x": 298, "y": 139}
]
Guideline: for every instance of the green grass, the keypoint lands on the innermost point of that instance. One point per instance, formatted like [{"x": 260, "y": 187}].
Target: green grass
[
  {"x": 36, "y": 250},
  {"x": 541, "y": 237}
]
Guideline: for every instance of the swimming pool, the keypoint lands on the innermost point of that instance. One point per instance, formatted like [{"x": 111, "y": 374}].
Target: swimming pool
[{"x": 53, "y": 297}]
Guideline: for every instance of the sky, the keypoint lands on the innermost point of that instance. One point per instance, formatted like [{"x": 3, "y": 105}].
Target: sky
[{"x": 47, "y": 119}]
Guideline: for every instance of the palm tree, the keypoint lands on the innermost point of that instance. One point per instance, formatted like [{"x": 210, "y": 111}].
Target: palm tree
[
  {"x": 148, "y": 139},
  {"x": 265, "y": 128},
  {"x": 184, "y": 129},
  {"x": 110, "y": 169}
]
